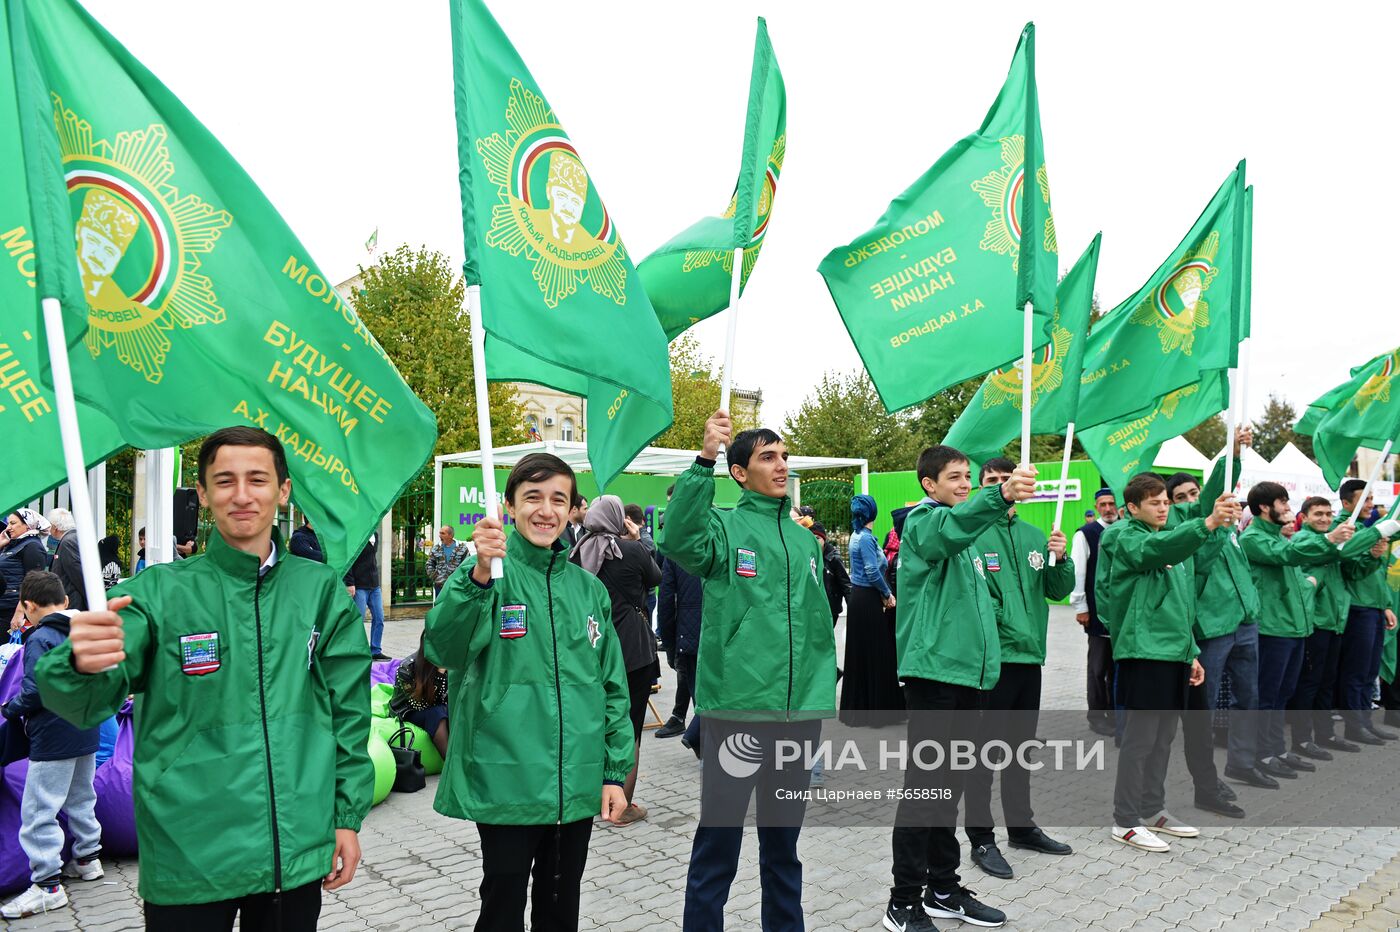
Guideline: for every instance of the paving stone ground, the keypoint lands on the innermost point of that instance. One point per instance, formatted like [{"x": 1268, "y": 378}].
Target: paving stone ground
[{"x": 421, "y": 870}]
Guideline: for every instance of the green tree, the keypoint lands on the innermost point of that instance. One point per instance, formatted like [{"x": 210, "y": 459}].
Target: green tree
[
  {"x": 1274, "y": 430},
  {"x": 695, "y": 390},
  {"x": 1208, "y": 437},
  {"x": 843, "y": 416},
  {"x": 931, "y": 421},
  {"x": 412, "y": 301}
]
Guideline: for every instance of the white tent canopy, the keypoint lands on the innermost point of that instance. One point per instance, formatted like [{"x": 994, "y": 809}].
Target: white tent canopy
[
  {"x": 652, "y": 461},
  {"x": 1178, "y": 453},
  {"x": 1290, "y": 468}
]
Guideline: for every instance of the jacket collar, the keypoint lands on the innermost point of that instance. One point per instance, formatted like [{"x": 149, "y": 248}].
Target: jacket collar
[
  {"x": 1142, "y": 524},
  {"x": 236, "y": 562},
  {"x": 1268, "y": 527},
  {"x": 518, "y": 548},
  {"x": 763, "y": 504}
]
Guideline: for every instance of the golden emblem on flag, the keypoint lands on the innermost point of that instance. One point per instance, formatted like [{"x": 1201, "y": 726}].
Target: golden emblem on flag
[
  {"x": 1003, "y": 190},
  {"x": 703, "y": 258},
  {"x": 1047, "y": 372},
  {"x": 1377, "y": 387},
  {"x": 1177, "y": 307},
  {"x": 548, "y": 208},
  {"x": 1172, "y": 400},
  {"x": 139, "y": 242}
]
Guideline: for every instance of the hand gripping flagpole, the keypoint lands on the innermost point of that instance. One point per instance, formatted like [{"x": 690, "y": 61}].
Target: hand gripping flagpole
[
  {"x": 1064, "y": 481},
  {"x": 483, "y": 415},
  {"x": 1370, "y": 482},
  {"x": 79, "y": 495}
]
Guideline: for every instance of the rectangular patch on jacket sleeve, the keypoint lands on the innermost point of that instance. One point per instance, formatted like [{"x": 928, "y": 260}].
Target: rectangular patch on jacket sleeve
[
  {"x": 199, "y": 653},
  {"x": 746, "y": 563},
  {"x": 512, "y": 621}
]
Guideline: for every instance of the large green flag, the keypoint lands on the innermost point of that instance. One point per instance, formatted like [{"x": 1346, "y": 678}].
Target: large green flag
[
  {"x": 992, "y": 418},
  {"x": 1242, "y": 317},
  {"x": 561, "y": 302},
  {"x": 1182, "y": 322},
  {"x": 1361, "y": 412},
  {"x": 688, "y": 279},
  {"x": 1123, "y": 449},
  {"x": 195, "y": 306},
  {"x": 27, "y": 414},
  {"x": 956, "y": 256}
]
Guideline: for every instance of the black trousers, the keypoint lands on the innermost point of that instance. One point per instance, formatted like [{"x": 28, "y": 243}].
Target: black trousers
[
  {"x": 1010, "y": 713},
  {"x": 1310, "y": 710},
  {"x": 554, "y": 855},
  {"x": 1198, "y": 743},
  {"x": 1100, "y": 681},
  {"x": 295, "y": 910},
  {"x": 924, "y": 842},
  {"x": 1154, "y": 694},
  {"x": 685, "y": 685}
]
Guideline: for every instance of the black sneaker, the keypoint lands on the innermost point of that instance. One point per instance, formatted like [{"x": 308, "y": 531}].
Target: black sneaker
[
  {"x": 961, "y": 904},
  {"x": 1332, "y": 742},
  {"x": 380, "y": 656},
  {"x": 673, "y": 727},
  {"x": 908, "y": 918}
]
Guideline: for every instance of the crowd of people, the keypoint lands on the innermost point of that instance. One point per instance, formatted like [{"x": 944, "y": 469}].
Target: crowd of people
[{"x": 247, "y": 654}]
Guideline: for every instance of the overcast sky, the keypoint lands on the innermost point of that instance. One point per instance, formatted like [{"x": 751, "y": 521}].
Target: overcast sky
[{"x": 342, "y": 112}]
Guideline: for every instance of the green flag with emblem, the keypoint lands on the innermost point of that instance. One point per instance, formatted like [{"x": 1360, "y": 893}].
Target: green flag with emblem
[
  {"x": 560, "y": 299},
  {"x": 28, "y": 418},
  {"x": 688, "y": 278},
  {"x": 1182, "y": 322},
  {"x": 191, "y": 304},
  {"x": 1122, "y": 449},
  {"x": 992, "y": 418},
  {"x": 932, "y": 294},
  {"x": 1364, "y": 411}
]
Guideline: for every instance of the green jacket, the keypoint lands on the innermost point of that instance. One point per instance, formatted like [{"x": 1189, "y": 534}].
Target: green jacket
[
  {"x": 946, "y": 625},
  {"x": 1365, "y": 576},
  {"x": 1020, "y": 579},
  {"x": 767, "y": 649},
  {"x": 536, "y": 691},
  {"x": 1392, "y": 579},
  {"x": 252, "y": 713},
  {"x": 1283, "y": 586},
  {"x": 1146, "y": 586},
  {"x": 1331, "y": 600}
]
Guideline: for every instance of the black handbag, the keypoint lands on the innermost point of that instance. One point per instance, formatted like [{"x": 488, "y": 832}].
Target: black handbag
[{"x": 409, "y": 776}]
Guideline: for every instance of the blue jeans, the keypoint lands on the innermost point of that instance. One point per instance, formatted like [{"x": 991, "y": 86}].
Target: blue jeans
[
  {"x": 1359, "y": 663},
  {"x": 1237, "y": 652},
  {"x": 1280, "y": 662},
  {"x": 372, "y": 598}
]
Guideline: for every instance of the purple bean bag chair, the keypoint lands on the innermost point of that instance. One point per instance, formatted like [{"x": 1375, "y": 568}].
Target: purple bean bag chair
[
  {"x": 384, "y": 671},
  {"x": 115, "y": 809}
]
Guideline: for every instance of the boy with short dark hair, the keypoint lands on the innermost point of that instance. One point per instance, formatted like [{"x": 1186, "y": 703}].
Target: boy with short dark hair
[
  {"x": 949, "y": 653},
  {"x": 62, "y": 760},
  {"x": 1147, "y": 599},
  {"x": 252, "y": 773}
]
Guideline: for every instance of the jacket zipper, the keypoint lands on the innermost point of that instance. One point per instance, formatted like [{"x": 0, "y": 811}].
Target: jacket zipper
[
  {"x": 558, "y": 696},
  {"x": 267, "y": 742},
  {"x": 787, "y": 562}
]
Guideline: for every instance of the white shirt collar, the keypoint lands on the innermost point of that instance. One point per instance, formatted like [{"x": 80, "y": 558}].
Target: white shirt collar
[{"x": 270, "y": 562}]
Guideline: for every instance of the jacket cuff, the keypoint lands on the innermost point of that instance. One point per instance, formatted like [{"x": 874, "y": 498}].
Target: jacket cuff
[
  {"x": 617, "y": 783},
  {"x": 614, "y": 776},
  {"x": 486, "y": 585},
  {"x": 708, "y": 464},
  {"x": 349, "y": 821}
]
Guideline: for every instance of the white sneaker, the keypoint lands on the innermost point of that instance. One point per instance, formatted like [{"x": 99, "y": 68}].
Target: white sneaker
[
  {"x": 1139, "y": 837},
  {"x": 83, "y": 870},
  {"x": 1168, "y": 825},
  {"x": 33, "y": 901}
]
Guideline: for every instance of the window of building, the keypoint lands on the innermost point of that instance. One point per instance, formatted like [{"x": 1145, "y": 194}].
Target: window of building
[
  {"x": 566, "y": 429},
  {"x": 532, "y": 424}
]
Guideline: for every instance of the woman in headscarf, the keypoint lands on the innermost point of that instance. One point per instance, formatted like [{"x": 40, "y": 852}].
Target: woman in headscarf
[
  {"x": 612, "y": 550},
  {"x": 870, "y": 693},
  {"x": 21, "y": 550}
]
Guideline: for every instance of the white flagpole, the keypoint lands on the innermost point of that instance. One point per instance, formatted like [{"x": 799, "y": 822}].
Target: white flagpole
[
  {"x": 725, "y": 375},
  {"x": 1370, "y": 481},
  {"x": 1026, "y": 385},
  {"x": 79, "y": 496},
  {"x": 483, "y": 415},
  {"x": 1064, "y": 480}
]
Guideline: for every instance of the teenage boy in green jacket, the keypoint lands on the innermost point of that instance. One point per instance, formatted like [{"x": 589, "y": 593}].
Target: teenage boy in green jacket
[
  {"x": 766, "y": 671},
  {"x": 1310, "y": 709},
  {"x": 1369, "y": 616},
  {"x": 1147, "y": 598},
  {"x": 1284, "y": 628},
  {"x": 949, "y": 655},
  {"x": 251, "y": 670},
  {"x": 1020, "y": 580},
  {"x": 541, "y": 738}
]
